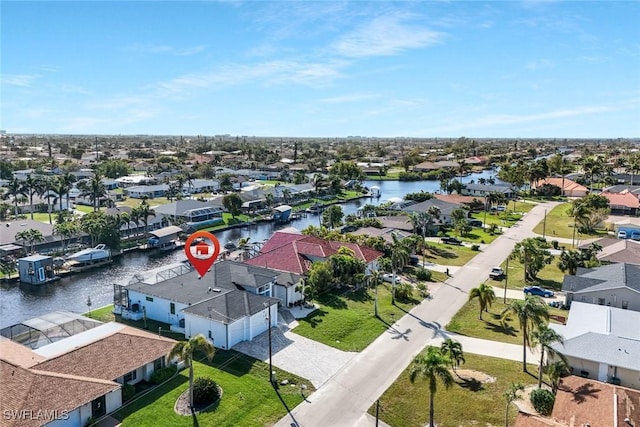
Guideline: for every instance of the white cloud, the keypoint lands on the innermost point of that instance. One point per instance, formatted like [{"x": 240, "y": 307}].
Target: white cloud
[
  {"x": 160, "y": 48},
  {"x": 353, "y": 97},
  {"x": 23, "y": 80},
  {"x": 385, "y": 35}
]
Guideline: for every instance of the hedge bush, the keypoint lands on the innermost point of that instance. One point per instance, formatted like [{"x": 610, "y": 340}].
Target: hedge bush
[
  {"x": 205, "y": 390},
  {"x": 128, "y": 391},
  {"x": 161, "y": 375},
  {"x": 542, "y": 400},
  {"x": 423, "y": 274}
]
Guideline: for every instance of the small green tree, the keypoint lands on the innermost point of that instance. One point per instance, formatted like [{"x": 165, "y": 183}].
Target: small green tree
[
  {"x": 511, "y": 395},
  {"x": 485, "y": 295},
  {"x": 453, "y": 350},
  {"x": 233, "y": 204},
  {"x": 532, "y": 253},
  {"x": 185, "y": 351}
]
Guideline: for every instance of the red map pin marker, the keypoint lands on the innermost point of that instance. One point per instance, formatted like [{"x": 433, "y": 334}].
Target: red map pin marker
[{"x": 202, "y": 249}]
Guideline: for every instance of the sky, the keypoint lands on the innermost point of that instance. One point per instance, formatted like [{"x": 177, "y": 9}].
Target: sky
[{"x": 503, "y": 69}]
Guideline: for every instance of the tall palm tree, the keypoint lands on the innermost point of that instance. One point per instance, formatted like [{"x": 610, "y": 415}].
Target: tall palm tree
[
  {"x": 399, "y": 259},
  {"x": 144, "y": 212},
  {"x": 569, "y": 262},
  {"x": 31, "y": 186},
  {"x": 431, "y": 366},
  {"x": 48, "y": 191},
  {"x": 453, "y": 350},
  {"x": 66, "y": 230},
  {"x": 512, "y": 394},
  {"x": 544, "y": 337},
  {"x": 530, "y": 312},
  {"x": 374, "y": 280},
  {"x": 185, "y": 350},
  {"x": 14, "y": 190},
  {"x": 485, "y": 295},
  {"x": 30, "y": 237},
  {"x": 64, "y": 185},
  {"x": 94, "y": 189}
]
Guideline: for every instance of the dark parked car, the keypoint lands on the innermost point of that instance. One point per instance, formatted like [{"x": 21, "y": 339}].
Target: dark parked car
[
  {"x": 414, "y": 260},
  {"x": 451, "y": 241},
  {"x": 475, "y": 223},
  {"x": 536, "y": 290}
]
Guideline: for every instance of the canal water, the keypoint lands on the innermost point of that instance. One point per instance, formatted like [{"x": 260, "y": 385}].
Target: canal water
[{"x": 21, "y": 302}]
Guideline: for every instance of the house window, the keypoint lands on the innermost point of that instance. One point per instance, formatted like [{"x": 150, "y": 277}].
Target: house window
[
  {"x": 625, "y": 304},
  {"x": 150, "y": 299},
  {"x": 158, "y": 363},
  {"x": 172, "y": 308},
  {"x": 130, "y": 376},
  {"x": 600, "y": 301}
]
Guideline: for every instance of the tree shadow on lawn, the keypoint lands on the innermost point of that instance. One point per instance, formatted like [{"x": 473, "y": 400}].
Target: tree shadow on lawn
[
  {"x": 470, "y": 383},
  {"x": 360, "y": 295},
  {"x": 332, "y": 300},
  {"x": 315, "y": 318},
  {"x": 502, "y": 327},
  {"x": 549, "y": 284},
  {"x": 230, "y": 361},
  {"x": 151, "y": 397}
]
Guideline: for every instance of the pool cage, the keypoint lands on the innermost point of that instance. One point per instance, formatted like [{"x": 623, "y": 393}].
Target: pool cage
[{"x": 48, "y": 328}]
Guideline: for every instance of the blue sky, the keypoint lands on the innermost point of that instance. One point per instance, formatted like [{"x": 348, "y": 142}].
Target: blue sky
[{"x": 318, "y": 68}]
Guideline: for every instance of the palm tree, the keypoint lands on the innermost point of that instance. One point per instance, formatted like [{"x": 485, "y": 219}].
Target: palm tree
[
  {"x": 144, "y": 212},
  {"x": 545, "y": 337},
  {"x": 286, "y": 195},
  {"x": 48, "y": 191},
  {"x": 569, "y": 262},
  {"x": 375, "y": 279},
  {"x": 431, "y": 366},
  {"x": 555, "y": 371},
  {"x": 530, "y": 312},
  {"x": 185, "y": 351},
  {"x": 14, "y": 190},
  {"x": 66, "y": 230},
  {"x": 30, "y": 237},
  {"x": 94, "y": 189},
  {"x": 513, "y": 393},
  {"x": 31, "y": 187},
  {"x": 318, "y": 183},
  {"x": 453, "y": 350},
  {"x": 485, "y": 295},
  {"x": 399, "y": 259}
]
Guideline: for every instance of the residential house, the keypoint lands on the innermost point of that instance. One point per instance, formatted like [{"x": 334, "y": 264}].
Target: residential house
[
  {"x": 633, "y": 189},
  {"x": 294, "y": 252},
  {"x": 445, "y": 208},
  {"x": 623, "y": 203},
  {"x": 130, "y": 180},
  {"x": 602, "y": 343},
  {"x": 430, "y": 166},
  {"x": 193, "y": 213},
  {"x": 615, "y": 250},
  {"x": 482, "y": 190},
  {"x": 228, "y": 305},
  {"x": 585, "y": 402},
  {"x": 73, "y": 368},
  {"x": 567, "y": 187},
  {"x": 11, "y": 229},
  {"x": 460, "y": 200},
  {"x": 196, "y": 186},
  {"x": 615, "y": 285},
  {"x": 146, "y": 191}
]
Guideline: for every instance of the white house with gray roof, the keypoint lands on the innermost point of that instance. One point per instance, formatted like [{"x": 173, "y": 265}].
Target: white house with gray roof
[
  {"x": 615, "y": 285},
  {"x": 602, "y": 343},
  {"x": 482, "y": 190},
  {"x": 230, "y": 304}
]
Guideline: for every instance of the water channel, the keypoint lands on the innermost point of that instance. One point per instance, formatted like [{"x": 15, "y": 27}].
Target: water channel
[{"x": 21, "y": 302}]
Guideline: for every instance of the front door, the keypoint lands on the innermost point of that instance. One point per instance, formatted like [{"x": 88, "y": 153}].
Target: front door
[{"x": 99, "y": 407}]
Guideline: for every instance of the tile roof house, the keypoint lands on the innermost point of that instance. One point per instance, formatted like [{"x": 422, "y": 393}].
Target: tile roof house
[
  {"x": 445, "y": 208},
  {"x": 615, "y": 285},
  {"x": 567, "y": 187},
  {"x": 615, "y": 250},
  {"x": 228, "y": 305},
  {"x": 581, "y": 402},
  {"x": 602, "y": 343},
  {"x": 294, "y": 252},
  {"x": 623, "y": 203},
  {"x": 76, "y": 378}
]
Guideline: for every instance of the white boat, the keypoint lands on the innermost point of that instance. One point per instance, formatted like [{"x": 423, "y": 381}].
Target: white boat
[{"x": 99, "y": 253}]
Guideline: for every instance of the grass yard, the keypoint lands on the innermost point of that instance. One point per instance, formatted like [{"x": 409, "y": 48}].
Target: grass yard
[
  {"x": 550, "y": 277},
  {"x": 560, "y": 224},
  {"x": 466, "y": 403},
  {"x": 439, "y": 253},
  {"x": 83, "y": 208},
  {"x": 248, "y": 398},
  {"x": 43, "y": 217},
  {"x": 479, "y": 235},
  {"x": 466, "y": 322},
  {"x": 104, "y": 314},
  {"x": 346, "y": 321}
]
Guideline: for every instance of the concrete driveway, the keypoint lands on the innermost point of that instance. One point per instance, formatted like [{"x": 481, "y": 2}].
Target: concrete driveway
[{"x": 294, "y": 353}]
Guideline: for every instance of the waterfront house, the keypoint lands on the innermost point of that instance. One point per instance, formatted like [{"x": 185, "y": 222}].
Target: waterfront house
[
  {"x": 193, "y": 213},
  {"x": 73, "y": 367},
  {"x": 483, "y": 190},
  {"x": 294, "y": 252},
  {"x": 445, "y": 208},
  {"x": 146, "y": 191},
  {"x": 431, "y": 166},
  {"x": 602, "y": 343},
  {"x": 567, "y": 187},
  {"x": 228, "y": 305},
  {"x": 622, "y": 203},
  {"x": 615, "y": 285}
]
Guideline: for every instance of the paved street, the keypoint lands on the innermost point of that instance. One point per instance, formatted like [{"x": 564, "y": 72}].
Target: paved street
[{"x": 344, "y": 398}]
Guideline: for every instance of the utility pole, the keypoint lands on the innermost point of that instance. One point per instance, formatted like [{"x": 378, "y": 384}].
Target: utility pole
[
  {"x": 544, "y": 224},
  {"x": 506, "y": 280},
  {"x": 377, "y": 411},
  {"x": 268, "y": 304}
]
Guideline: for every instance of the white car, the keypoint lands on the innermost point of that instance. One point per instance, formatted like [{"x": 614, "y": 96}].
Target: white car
[
  {"x": 622, "y": 234},
  {"x": 388, "y": 277}
]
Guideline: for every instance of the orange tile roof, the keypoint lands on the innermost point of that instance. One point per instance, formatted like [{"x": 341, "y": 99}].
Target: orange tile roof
[
  {"x": 622, "y": 199},
  {"x": 111, "y": 357},
  {"x": 30, "y": 391},
  {"x": 569, "y": 185}
]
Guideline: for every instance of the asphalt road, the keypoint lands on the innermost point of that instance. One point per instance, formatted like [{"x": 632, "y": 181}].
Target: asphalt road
[{"x": 346, "y": 397}]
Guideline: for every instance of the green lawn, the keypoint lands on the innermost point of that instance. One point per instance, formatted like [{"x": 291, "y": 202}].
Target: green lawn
[
  {"x": 346, "y": 321},
  {"x": 559, "y": 224},
  {"x": 449, "y": 254},
  {"x": 84, "y": 208},
  {"x": 466, "y": 322},
  {"x": 549, "y": 277},
  {"x": 104, "y": 314},
  {"x": 248, "y": 398},
  {"x": 466, "y": 403},
  {"x": 43, "y": 217},
  {"x": 479, "y": 235},
  {"x": 502, "y": 219}
]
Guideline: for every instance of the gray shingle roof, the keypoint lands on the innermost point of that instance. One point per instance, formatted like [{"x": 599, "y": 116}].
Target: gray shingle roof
[
  {"x": 230, "y": 306},
  {"x": 612, "y": 276},
  {"x": 445, "y": 207},
  {"x": 609, "y": 349},
  {"x": 177, "y": 208}
]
